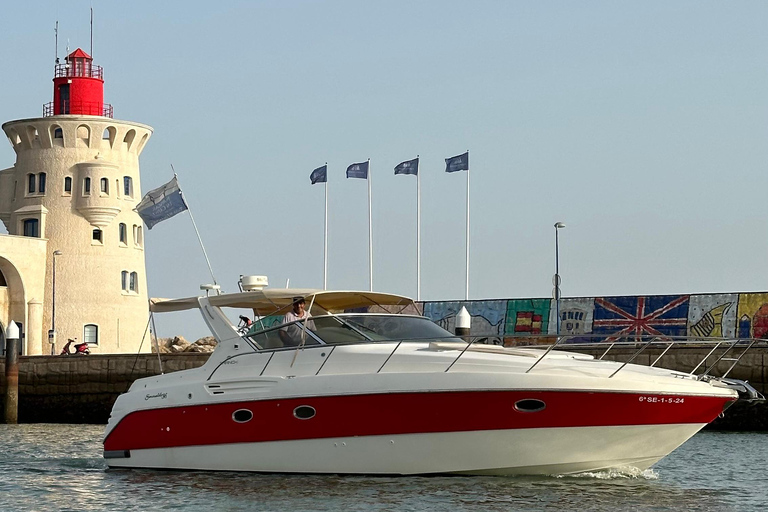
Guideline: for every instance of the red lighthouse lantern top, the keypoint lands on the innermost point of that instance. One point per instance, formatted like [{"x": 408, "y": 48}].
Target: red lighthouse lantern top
[{"x": 78, "y": 88}]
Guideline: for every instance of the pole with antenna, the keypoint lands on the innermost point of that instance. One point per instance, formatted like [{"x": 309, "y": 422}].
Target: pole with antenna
[
  {"x": 325, "y": 237},
  {"x": 370, "y": 231},
  {"x": 466, "y": 291},
  {"x": 91, "y": 32},
  {"x": 56, "y": 38},
  {"x": 418, "y": 231},
  {"x": 218, "y": 291}
]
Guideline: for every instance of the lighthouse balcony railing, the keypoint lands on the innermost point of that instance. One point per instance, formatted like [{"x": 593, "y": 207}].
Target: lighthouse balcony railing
[
  {"x": 83, "y": 108},
  {"x": 78, "y": 70}
]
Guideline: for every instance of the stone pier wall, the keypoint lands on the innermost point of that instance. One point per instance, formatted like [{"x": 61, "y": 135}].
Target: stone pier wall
[{"x": 82, "y": 389}]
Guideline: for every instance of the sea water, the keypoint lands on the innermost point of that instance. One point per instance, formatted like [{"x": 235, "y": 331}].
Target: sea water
[{"x": 59, "y": 468}]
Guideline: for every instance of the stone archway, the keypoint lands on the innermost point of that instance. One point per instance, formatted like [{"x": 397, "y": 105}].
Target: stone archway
[{"x": 12, "y": 299}]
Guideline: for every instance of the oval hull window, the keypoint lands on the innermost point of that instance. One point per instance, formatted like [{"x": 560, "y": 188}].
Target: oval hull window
[
  {"x": 242, "y": 415},
  {"x": 304, "y": 412},
  {"x": 530, "y": 405}
]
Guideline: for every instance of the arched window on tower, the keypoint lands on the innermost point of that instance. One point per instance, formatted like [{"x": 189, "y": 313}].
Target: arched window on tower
[
  {"x": 127, "y": 186},
  {"x": 98, "y": 236},
  {"x": 30, "y": 183},
  {"x": 124, "y": 280},
  {"x": 134, "y": 285},
  {"x": 104, "y": 186},
  {"x": 123, "y": 231},
  {"x": 41, "y": 183},
  {"x": 91, "y": 334},
  {"x": 87, "y": 186},
  {"x": 68, "y": 185}
]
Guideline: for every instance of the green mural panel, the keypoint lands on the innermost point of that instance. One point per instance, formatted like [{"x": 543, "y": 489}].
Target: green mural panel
[{"x": 527, "y": 316}]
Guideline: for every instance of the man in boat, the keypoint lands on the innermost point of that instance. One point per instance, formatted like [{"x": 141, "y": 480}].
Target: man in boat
[{"x": 292, "y": 333}]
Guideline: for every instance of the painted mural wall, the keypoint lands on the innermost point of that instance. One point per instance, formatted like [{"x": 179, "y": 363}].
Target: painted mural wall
[{"x": 597, "y": 319}]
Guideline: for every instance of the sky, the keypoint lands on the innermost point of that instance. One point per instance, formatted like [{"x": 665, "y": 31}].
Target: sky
[{"x": 640, "y": 125}]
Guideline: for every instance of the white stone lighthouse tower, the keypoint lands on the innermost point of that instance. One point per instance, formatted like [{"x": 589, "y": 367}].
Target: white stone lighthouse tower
[{"x": 74, "y": 186}]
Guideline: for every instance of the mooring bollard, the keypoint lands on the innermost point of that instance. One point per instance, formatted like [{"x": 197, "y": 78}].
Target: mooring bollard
[
  {"x": 12, "y": 374},
  {"x": 463, "y": 322}
]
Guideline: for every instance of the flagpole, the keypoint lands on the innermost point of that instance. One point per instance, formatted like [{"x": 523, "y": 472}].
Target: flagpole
[
  {"x": 325, "y": 240},
  {"x": 466, "y": 294},
  {"x": 418, "y": 233},
  {"x": 370, "y": 231},
  {"x": 218, "y": 291}
]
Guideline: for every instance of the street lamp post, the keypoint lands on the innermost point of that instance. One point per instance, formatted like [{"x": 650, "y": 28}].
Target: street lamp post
[
  {"x": 52, "y": 332},
  {"x": 558, "y": 227}
]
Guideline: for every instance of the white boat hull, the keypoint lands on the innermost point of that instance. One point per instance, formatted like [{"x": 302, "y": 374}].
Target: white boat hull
[{"x": 499, "y": 452}]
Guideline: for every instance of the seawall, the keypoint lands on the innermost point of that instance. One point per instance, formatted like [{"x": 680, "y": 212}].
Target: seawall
[{"x": 82, "y": 389}]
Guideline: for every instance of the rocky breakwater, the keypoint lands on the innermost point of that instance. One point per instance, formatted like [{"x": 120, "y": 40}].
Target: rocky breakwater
[{"x": 178, "y": 345}]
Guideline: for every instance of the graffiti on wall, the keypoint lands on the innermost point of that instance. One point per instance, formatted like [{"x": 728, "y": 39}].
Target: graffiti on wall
[
  {"x": 526, "y": 316},
  {"x": 487, "y": 317},
  {"x": 752, "y": 314},
  {"x": 743, "y": 315}
]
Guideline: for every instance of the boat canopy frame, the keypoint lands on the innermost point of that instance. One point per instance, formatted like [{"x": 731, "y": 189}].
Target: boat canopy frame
[{"x": 271, "y": 301}]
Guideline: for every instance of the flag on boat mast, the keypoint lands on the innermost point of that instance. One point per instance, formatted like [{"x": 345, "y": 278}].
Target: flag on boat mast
[
  {"x": 320, "y": 175},
  {"x": 361, "y": 170},
  {"x": 161, "y": 203},
  {"x": 454, "y": 164},
  {"x": 411, "y": 167}
]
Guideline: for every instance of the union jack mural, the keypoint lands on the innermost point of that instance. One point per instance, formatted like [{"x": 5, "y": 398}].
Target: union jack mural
[
  {"x": 596, "y": 319},
  {"x": 657, "y": 315}
]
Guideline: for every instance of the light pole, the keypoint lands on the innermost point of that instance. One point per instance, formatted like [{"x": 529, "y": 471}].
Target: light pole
[
  {"x": 558, "y": 227},
  {"x": 52, "y": 332}
]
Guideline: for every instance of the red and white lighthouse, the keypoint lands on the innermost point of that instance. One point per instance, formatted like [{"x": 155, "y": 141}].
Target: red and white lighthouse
[
  {"x": 68, "y": 202},
  {"x": 78, "y": 88}
]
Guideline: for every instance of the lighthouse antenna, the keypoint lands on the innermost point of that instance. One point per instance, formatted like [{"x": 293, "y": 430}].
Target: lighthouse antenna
[
  {"x": 91, "y": 31},
  {"x": 56, "y": 38}
]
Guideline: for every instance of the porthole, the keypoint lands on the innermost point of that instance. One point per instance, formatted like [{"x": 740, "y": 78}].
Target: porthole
[
  {"x": 529, "y": 405},
  {"x": 304, "y": 412},
  {"x": 242, "y": 415}
]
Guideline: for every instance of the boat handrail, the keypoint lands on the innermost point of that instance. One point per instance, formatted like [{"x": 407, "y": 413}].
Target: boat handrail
[
  {"x": 668, "y": 342},
  {"x": 644, "y": 342}
]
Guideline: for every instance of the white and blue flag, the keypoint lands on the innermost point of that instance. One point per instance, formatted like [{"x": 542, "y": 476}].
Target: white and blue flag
[
  {"x": 457, "y": 163},
  {"x": 161, "y": 203},
  {"x": 358, "y": 170},
  {"x": 408, "y": 167}
]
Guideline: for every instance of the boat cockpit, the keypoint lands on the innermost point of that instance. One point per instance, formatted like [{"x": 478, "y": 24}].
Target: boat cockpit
[{"x": 334, "y": 318}]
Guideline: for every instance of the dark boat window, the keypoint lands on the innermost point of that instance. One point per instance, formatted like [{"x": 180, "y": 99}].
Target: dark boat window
[
  {"x": 242, "y": 415},
  {"x": 304, "y": 412},
  {"x": 530, "y": 405}
]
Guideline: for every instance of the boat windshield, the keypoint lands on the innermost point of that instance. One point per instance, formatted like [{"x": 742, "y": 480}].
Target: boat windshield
[{"x": 351, "y": 328}]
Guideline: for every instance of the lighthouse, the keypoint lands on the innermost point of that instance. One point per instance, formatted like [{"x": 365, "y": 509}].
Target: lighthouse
[{"x": 72, "y": 264}]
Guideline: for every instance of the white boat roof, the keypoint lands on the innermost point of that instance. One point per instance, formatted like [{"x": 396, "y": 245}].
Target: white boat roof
[{"x": 268, "y": 301}]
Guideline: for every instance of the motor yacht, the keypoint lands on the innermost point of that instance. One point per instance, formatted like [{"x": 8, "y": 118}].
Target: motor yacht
[{"x": 366, "y": 385}]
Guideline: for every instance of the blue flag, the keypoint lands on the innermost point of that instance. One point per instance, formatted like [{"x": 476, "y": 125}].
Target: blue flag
[
  {"x": 408, "y": 167},
  {"x": 161, "y": 203},
  {"x": 319, "y": 175},
  {"x": 457, "y": 163},
  {"x": 358, "y": 170}
]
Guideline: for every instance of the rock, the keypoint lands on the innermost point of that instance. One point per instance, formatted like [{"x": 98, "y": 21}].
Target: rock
[
  {"x": 207, "y": 344},
  {"x": 171, "y": 345}
]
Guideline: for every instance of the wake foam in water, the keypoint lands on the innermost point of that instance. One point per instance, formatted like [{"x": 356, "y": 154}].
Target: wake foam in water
[{"x": 616, "y": 473}]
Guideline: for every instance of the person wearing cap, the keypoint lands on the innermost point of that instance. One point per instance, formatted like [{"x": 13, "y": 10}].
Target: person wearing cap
[{"x": 291, "y": 333}]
